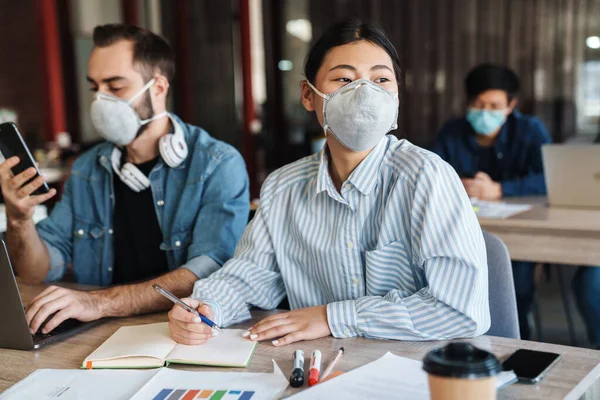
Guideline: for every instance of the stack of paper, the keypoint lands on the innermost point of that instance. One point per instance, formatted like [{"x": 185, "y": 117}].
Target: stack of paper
[
  {"x": 390, "y": 377},
  {"x": 498, "y": 210},
  {"x": 48, "y": 384}
]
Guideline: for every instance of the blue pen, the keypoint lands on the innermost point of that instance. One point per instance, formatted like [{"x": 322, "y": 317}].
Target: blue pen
[{"x": 186, "y": 307}]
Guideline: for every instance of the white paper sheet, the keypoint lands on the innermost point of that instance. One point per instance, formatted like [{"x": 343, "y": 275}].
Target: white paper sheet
[
  {"x": 228, "y": 348},
  {"x": 67, "y": 384},
  {"x": 236, "y": 385},
  {"x": 498, "y": 210},
  {"x": 151, "y": 340},
  {"x": 390, "y": 377}
]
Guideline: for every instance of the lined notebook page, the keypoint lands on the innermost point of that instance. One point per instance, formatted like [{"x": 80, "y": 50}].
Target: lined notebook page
[
  {"x": 228, "y": 348},
  {"x": 152, "y": 340}
]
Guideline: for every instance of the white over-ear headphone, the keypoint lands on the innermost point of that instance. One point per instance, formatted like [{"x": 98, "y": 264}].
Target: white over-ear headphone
[
  {"x": 172, "y": 147},
  {"x": 173, "y": 150}
]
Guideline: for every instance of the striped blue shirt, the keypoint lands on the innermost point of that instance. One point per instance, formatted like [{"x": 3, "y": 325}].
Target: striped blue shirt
[{"x": 397, "y": 254}]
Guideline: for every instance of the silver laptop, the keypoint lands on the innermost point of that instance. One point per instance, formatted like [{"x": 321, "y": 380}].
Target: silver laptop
[
  {"x": 572, "y": 175},
  {"x": 14, "y": 330}
]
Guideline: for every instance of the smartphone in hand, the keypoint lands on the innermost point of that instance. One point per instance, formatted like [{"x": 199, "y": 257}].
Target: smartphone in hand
[{"x": 12, "y": 144}]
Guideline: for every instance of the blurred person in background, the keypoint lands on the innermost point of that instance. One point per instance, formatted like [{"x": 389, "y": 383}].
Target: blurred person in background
[
  {"x": 158, "y": 201},
  {"x": 497, "y": 151}
]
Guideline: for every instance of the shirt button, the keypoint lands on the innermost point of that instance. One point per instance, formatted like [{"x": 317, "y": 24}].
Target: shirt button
[
  {"x": 109, "y": 269},
  {"x": 160, "y": 203},
  {"x": 350, "y": 244},
  {"x": 178, "y": 244},
  {"x": 103, "y": 158},
  {"x": 348, "y": 186},
  {"x": 500, "y": 155},
  {"x": 80, "y": 232},
  {"x": 110, "y": 231},
  {"x": 346, "y": 331},
  {"x": 355, "y": 281}
]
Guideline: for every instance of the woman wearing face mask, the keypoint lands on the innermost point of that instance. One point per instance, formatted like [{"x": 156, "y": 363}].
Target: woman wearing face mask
[{"x": 371, "y": 237}]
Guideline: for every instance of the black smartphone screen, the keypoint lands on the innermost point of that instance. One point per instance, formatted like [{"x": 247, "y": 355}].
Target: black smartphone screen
[
  {"x": 12, "y": 144},
  {"x": 529, "y": 365}
]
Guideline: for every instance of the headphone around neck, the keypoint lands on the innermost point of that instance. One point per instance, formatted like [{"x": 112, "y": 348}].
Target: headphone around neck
[{"x": 172, "y": 148}]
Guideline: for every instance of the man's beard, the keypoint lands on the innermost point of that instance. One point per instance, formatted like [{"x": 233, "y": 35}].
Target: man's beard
[{"x": 145, "y": 111}]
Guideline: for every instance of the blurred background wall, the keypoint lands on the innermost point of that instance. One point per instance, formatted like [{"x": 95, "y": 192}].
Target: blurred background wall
[
  {"x": 20, "y": 72},
  {"x": 239, "y": 64}
]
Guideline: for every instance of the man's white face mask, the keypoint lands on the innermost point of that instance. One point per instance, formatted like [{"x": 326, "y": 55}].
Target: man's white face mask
[{"x": 116, "y": 120}]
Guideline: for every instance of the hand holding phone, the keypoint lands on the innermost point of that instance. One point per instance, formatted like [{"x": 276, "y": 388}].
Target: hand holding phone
[{"x": 22, "y": 184}]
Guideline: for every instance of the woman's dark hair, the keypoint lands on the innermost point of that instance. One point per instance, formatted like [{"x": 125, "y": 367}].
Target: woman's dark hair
[
  {"x": 491, "y": 76},
  {"x": 344, "y": 32}
]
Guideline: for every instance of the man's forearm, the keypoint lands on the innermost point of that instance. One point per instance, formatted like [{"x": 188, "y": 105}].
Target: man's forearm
[
  {"x": 28, "y": 252},
  {"x": 140, "y": 298},
  {"x": 532, "y": 184}
]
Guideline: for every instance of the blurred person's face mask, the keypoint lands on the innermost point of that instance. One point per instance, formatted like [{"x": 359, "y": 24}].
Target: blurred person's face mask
[
  {"x": 116, "y": 120},
  {"x": 485, "y": 122},
  {"x": 359, "y": 114}
]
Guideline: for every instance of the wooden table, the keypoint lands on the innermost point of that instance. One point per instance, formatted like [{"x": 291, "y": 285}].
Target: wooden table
[
  {"x": 577, "y": 374},
  {"x": 549, "y": 234}
]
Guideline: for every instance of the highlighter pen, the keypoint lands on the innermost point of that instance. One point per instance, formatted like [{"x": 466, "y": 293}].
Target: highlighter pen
[
  {"x": 332, "y": 364},
  {"x": 297, "y": 377},
  {"x": 315, "y": 368},
  {"x": 187, "y": 308}
]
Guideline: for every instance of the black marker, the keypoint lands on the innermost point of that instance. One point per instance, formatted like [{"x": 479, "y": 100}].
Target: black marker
[{"x": 297, "y": 377}]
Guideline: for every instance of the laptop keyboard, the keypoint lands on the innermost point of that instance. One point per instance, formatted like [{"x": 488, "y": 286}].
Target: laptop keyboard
[{"x": 66, "y": 325}]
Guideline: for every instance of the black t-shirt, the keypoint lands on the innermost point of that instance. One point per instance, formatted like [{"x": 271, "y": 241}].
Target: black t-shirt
[{"x": 137, "y": 235}]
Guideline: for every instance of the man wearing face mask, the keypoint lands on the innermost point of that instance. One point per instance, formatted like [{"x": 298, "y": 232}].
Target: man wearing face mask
[
  {"x": 497, "y": 151},
  {"x": 160, "y": 201}
]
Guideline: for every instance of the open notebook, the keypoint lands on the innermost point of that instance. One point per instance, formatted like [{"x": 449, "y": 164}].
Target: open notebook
[{"x": 151, "y": 346}]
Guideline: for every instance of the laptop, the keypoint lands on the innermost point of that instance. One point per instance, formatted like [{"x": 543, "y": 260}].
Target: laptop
[
  {"x": 572, "y": 175},
  {"x": 14, "y": 330}
]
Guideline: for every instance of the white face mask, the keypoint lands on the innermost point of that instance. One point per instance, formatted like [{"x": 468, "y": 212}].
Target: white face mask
[
  {"x": 116, "y": 120},
  {"x": 359, "y": 114}
]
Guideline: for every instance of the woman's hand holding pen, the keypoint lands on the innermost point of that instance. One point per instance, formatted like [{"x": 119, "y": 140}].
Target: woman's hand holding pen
[
  {"x": 187, "y": 328},
  {"x": 290, "y": 327},
  {"x": 286, "y": 328}
]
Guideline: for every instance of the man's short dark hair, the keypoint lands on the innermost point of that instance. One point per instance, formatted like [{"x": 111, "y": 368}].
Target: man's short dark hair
[
  {"x": 491, "y": 76},
  {"x": 151, "y": 53}
]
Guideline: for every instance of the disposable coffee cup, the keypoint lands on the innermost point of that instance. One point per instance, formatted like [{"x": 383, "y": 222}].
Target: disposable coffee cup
[{"x": 460, "y": 371}]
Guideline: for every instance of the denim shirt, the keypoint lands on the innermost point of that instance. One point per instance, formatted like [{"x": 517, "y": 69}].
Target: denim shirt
[
  {"x": 202, "y": 208},
  {"x": 515, "y": 159}
]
